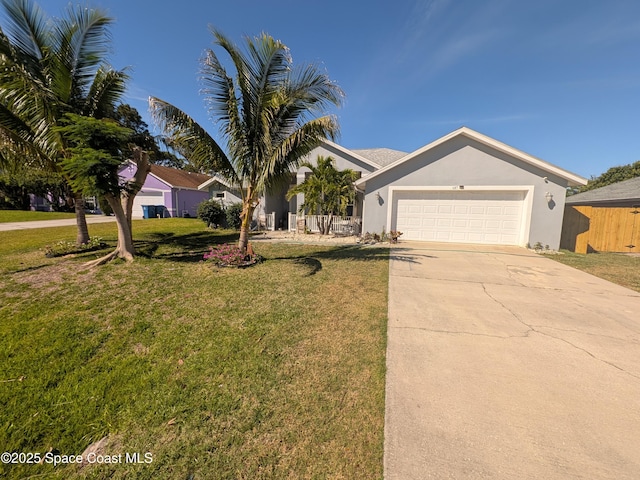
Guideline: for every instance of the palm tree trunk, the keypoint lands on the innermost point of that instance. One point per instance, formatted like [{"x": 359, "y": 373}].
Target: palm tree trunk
[
  {"x": 247, "y": 216},
  {"x": 81, "y": 220}
]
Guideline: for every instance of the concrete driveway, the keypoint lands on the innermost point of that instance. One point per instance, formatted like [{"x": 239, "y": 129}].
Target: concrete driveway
[{"x": 503, "y": 364}]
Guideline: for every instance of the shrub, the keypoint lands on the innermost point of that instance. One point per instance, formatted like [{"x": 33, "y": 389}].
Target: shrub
[
  {"x": 229, "y": 255},
  {"x": 64, "y": 247},
  {"x": 211, "y": 212},
  {"x": 232, "y": 214}
]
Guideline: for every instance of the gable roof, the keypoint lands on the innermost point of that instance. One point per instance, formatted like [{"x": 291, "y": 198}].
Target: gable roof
[
  {"x": 571, "y": 178},
  {"x": 213, "y": 179},
  {"x": 351, "y": 153},
  {"x": 627, "y": 190},
  {"x": 380, "y": 156},
  {"x": 178, "y": 178}
]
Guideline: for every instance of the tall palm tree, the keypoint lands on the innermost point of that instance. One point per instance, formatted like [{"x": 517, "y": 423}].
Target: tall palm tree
[
  {"x": 265, "y": 114},
  {"x": 50, "y": 67}
]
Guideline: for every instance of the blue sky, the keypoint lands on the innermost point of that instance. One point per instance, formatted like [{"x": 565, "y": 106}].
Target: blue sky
[{"x": 559, "y": 79}]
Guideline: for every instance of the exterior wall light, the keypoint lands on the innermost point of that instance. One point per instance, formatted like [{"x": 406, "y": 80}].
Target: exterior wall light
[{"x": 549, "y": 197}]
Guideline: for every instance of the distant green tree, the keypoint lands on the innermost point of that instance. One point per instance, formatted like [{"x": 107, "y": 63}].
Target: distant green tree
[
  {"x": 92, "y": 161},
  {"x": 129, "y": 117},
  {"x": 327, "y": 191},
  {"x": 613, "y": 175},
  {"x": 16, "y": 184},
  {"x": 50, "y": 67}
]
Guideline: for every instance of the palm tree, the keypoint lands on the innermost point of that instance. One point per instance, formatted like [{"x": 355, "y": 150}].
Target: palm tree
[
  {"x": 50, "y": 67},
  {"x": 265, "y": 115},
  {"x": 327, "y": 191}
]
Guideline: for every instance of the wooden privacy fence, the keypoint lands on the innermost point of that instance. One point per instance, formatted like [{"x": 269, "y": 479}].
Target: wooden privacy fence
[{"x": 587, "y": 229}]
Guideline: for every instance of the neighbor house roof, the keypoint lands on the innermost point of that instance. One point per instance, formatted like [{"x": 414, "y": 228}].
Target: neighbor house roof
[
  {"x": 571, "y": 178},
  {"x": 626, "y": 191},
  {"x": 214, "y": 179},
  {"x": 178, "y": 178},
  {"x": 380, "y": 156}
]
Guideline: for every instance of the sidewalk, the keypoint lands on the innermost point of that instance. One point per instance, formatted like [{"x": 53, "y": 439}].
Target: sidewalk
[{"x": 66, "y": 222}]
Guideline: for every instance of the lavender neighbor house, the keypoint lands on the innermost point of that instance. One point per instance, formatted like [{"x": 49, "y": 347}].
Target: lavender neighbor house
[{"x": 173, "y": 192}]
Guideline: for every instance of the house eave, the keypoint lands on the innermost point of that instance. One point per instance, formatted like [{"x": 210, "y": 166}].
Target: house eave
[
  {"x": 346, "y": 151},
  {"x": 571, "y": 178}
]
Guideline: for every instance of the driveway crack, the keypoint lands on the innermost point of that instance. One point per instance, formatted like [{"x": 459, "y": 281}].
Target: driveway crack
[
  {"x": 462, "y": 332},
  {"x": 611, "y": 364},
  {"x": 533, "y": 329}
]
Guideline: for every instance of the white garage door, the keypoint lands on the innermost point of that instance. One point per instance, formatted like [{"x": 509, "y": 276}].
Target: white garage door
[
  {"x": 146, "y": 197},
  {"x": 493, "y": 217}
]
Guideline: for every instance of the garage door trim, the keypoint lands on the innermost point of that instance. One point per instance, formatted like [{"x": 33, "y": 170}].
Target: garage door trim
[
  {"x": 527, "y": 202},
  {"x": 142, "y": 194}
]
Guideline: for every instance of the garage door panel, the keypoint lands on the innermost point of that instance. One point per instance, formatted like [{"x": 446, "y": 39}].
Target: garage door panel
[
  {"x": 428, "y": 222},
  {"x": 464, "y": 216},
  {"x": 510, "y": 225},
  {"x": 146, "y": 197},
  {"x": 512, "y": 211},
  {"x": 460, "y": 223},
  {"x": 461, "y": 209}
]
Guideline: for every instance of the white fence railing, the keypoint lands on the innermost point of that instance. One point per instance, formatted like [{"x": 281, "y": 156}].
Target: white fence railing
[
  {"x": 266, "y": 221},
  {"x": 339, "y": 225},
  {"x": 270, "y": 221}
]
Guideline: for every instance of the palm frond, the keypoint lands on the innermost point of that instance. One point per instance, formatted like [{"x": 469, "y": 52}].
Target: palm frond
[
  {"x": 82, "y": 42},
  {"x": 106, "y": 90},
  {"x": 192, "y": 141},
  {"x": 19, "y": 137},
  {"x": 219, "y": 92},
  {"x": 289, "y": 153},
  {"x": 27, "y": 26}
]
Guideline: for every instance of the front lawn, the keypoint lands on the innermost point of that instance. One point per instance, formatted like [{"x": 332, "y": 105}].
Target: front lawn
[
  {"x": 27, "y": 216},
  {"x": 615, "y": 267},
  {"x": 274, "y": 371}
]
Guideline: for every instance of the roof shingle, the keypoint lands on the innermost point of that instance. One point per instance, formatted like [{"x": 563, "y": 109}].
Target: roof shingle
[
  {"x": 179, "y": 178},
  {"x": 627, "y": 190},
  {"x": 380, "y": 156}
]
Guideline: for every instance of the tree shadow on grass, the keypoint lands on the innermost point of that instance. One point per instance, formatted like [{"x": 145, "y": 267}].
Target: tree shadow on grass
[
  {"x": 355, "y": 253},
  {"x": 188, "y": 248},
  {"x": 312, "y": 264}
]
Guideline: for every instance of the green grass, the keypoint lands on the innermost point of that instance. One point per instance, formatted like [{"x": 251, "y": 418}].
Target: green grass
[
  {"x": 274, "y": 371},
  {"x": 26, "y": 216},
  {"x": 615, "y": 267}
]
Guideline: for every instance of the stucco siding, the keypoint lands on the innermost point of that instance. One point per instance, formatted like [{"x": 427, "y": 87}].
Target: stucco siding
[
  {"x": 188, "y": 201},
  {"x": 343, "y": 161},
  {"x": 465, "y": 162}
]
